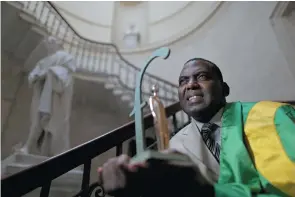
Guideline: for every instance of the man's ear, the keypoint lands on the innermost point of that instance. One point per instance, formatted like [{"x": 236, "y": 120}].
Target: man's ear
[{"x": 226, "y": 89}]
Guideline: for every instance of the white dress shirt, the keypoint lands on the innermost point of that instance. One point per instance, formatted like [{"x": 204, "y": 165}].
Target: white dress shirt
[{"x": 216, "y": 119}]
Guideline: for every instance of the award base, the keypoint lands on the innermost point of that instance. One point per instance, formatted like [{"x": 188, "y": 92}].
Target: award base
[{"x": 158, "y": 156}]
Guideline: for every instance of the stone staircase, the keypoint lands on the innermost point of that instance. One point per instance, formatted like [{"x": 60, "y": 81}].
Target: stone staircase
[
  {"x": 24, "y": 26},
  {"x": 66, "y": 185}
]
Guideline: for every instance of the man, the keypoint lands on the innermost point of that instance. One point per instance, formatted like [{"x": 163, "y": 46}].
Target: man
[{"x": 237, "y": 149}]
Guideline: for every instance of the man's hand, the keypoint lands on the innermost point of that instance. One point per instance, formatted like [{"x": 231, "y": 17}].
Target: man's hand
[
  {"x": 118, "y": 177},
  {"x": 152, "y": 178}
]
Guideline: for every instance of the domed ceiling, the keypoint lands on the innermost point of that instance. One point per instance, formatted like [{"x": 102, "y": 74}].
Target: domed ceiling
[{"x": 144, "y": 24}]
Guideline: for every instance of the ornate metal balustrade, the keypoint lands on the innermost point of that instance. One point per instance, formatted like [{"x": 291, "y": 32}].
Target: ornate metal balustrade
[
  {"x": 43, "y": 174},
  {"x": 94, "y": 57}
]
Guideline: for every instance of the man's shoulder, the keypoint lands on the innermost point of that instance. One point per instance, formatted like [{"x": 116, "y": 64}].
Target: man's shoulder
[
  {"x": 176, "y": 142},
  {"x": 182, "y": 132}
]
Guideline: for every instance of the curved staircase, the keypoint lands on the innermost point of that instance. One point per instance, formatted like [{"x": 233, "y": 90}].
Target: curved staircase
[{"x": 26, "y": 23}]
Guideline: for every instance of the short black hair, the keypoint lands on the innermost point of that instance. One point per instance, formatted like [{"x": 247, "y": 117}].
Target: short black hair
[{"x": 214, "y": 66}]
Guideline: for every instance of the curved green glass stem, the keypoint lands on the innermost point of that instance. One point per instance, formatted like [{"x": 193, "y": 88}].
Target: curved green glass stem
[{"x": 138, "y": 104}]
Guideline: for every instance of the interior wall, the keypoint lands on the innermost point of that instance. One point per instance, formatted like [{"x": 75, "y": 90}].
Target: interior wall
[
  {"x": 91, "y": 19},
  {"x": 239, "y": 38},
  {"x": 283, "y": 23},
  {"x": 15, "y": 103},
  {"x": 11, "y": 78},
  {"x": 159, "y": 12},
  {"x": 169, "y": 20}
]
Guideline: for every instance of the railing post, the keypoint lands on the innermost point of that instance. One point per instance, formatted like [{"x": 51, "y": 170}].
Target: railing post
[
  {"x": 134, "y": 81},
  {"x": 112, "y": 69},
  {"x": 119, "y": 149},
  {"x": 127, "y": 77},
  {"x": 106, "y": 60},
  {"x": 27, "y": 5},
  {"x": 86, "y": 178},
  {"x": 86, "y": 55},
  {"x": 77, "y": 48},
  {"x": 103, "y": 56},
  {"x": 35, "y": 9},
  {"x": 45, "y": 190},
  {"x": 82, "y": 54},
  {"x": 71, "y": 44},
  {"x": 58, "y": 27},
  {"x": 97, "y": 60},
  {"x": 42, "y": 10},
  {"x": 47, "y": 18},
  {"x": 91, "y": 58},
  {"x": 65, "y": 34},
  {"x": 100, "y": 66}
]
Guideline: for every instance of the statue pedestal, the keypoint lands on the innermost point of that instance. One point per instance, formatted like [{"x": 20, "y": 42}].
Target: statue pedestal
[{"x": 66, "y": 185}]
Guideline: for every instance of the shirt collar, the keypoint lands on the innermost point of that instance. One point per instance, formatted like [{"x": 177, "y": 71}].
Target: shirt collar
[{"x": 216, "y": 119}]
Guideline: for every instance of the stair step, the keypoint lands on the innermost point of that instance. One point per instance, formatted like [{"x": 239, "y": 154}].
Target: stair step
[
  {"x": 71, "y": 179},
  {"x": 29, "y": 159},
  {"x": 17, "y": 167},
  {"x": 109, "y": 86},
  {"x": 29, "y": 18},
  {"x": 118, "y": 91},
  {"x": 113, "y": 80}
]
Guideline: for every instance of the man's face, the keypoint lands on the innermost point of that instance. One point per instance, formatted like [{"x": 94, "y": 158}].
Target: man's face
[{"x": 200, "y": 89}]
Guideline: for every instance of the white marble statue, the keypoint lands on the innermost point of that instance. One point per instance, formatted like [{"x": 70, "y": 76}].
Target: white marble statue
[
  {"x": 131, "y": 37},
  {"x": 52, "y": 83}
]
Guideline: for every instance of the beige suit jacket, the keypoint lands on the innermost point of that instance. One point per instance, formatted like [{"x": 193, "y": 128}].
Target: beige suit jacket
[{"x": 189, "y": 142}]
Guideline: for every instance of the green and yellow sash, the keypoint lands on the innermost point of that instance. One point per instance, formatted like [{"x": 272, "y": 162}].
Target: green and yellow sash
[{"x": 257, "y": 150}]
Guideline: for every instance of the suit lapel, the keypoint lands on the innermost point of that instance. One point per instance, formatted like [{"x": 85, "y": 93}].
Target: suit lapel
[{"x": 197, "y": 149}]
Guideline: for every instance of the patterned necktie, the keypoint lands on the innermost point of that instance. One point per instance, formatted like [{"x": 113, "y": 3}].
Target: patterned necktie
[{"x": 207, "y": 133}]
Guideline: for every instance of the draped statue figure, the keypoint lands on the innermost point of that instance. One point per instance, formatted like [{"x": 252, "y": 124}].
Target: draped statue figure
[{"x": 52, "y": 83}]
